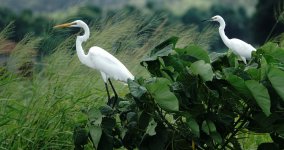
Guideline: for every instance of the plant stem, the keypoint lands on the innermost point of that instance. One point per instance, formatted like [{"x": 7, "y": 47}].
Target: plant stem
[
  {"x": 164, "y": 120},
  {"x": 270, "y": 33},
  {"x": 237, "y": 129}
]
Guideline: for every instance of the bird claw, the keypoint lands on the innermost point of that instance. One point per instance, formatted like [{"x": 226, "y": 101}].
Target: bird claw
[{"x": 112, "y": 101}]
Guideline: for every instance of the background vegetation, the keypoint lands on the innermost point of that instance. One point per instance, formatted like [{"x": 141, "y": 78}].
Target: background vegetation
[{"x": 45, "y": 107}]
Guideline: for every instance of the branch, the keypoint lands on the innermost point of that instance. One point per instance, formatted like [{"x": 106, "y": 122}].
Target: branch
[{"x": 237, "y": 129}]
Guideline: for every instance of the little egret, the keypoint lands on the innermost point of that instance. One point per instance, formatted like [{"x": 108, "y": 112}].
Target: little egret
[
  {"x": 238, "y": 46},
  {"x": 98, "y": 58}
]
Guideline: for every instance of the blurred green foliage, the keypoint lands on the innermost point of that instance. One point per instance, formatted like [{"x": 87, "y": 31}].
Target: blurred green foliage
[{"x": 254, "y": 29}]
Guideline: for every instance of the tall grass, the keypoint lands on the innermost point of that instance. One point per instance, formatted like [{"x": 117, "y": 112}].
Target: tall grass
[{"x": 41, "y": 109}]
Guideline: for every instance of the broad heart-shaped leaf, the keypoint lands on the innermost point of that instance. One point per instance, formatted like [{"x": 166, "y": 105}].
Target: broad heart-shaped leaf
[
  {"x": 163, "y": 49},
  {"x": 96, "y": 133},
  {"x": 171, "y": 41},
  {"x": 164, "y": 52},
  {"x": 108, "y": 124},
  {"x": 260, "y": 94},
  {"x": 216, "y": 137},
  {"x": 95, "y": 119},
  {"x": 193, "y": 126},
  {"x": 276, "y": 77},
  {"x": 274, "y": 51},
  {"x": 151, "y": 128},
  {"x": 135, "y": 89},
  {"x": 106, "y": 110},
  {"x": 95, "y": 116},
  {"x": 210, "y": 129},
  {"x": 238, "y": 83},
  {"x": 208, "y": 126},
  {"x": 215, "y": 56},
  {"x": 254, "y": 73},
  {"x": 194, "y": 51},
  {"x": 80, "y": 136},
  {"x": 160, "y": 91},
  {"x": 203, "y": 69}
]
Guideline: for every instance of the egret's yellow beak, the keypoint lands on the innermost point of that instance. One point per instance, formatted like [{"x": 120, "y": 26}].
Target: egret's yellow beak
[
  {"x": 210, "y": 19},
  {"x": 65, "y": 25}
]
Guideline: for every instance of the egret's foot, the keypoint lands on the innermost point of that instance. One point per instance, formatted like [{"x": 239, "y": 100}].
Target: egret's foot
[{"x": 112, "y": 102}]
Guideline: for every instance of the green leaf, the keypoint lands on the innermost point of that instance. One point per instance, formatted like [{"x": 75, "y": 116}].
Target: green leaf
[
  {"x": 135, "y": 89},
  {"x": 276, "y": 77},
  {"x": 233, "y": 59},
  {"x": 210, "y": 129},
  {"x": 216, "y": 137},
  {"x": 274, "y": 51},
  {"x": 95, "y": 119},
  {"x": 80, "y": 136},
  {"x": 169, "y": 42},
  {"x": 163, "y": 49},
  {"x": 216, "y": 56},
  {"x": 202, "y": 69},
  {"x": 211, "y": 126},
  {"x": 260, "y": 94},
  {"x": 95, "y": 116},
  {"x": 238, "y": 83},
  {"x": 160, "y": 91},
  {"x": 106, "y": 142},
  {"x": 144, "y": 119},
  {"x": 151, "y": 127},
  {"x": 279, "y": 129},
  {"x": 158, "y": 141},
  {"x": 193, "y": 126},
  {"x": 205, "y": 127},
  {"x": 123, "y": 105},
  {"x": 175, "y": 63},
  {"x": 96, "y": 133},
  {"x": 196, "y": 52},
  {"x": 131, "y": 116},
  {"x": 254, "y": 73},
  {"x": 106, "y": 110},
  {"x": 164, "y": 52},
  {"x": 264, "y": 68},
  {"x": 108, "y": 124}
]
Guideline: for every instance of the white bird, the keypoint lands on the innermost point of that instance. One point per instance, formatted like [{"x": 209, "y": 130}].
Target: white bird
[
  {"x": 98, "y": 58},
  {"x": 238, "y": 46}
]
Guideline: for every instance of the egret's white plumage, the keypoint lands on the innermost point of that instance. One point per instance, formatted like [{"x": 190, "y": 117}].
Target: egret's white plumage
[
  {"x": 238, "y": 46},
  {"x": 109, "y": 66},
  {"x": 98, "y": 58}
]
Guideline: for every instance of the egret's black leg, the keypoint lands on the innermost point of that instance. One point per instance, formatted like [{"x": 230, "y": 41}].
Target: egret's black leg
[
  {"x": 115, "y": 94},
  {"x": 108, "y": 96}
]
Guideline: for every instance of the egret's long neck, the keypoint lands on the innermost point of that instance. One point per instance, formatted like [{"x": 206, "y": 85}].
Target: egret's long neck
[
  {"x": 80, "y": 39},
  {"x": 222, "y": 32}
]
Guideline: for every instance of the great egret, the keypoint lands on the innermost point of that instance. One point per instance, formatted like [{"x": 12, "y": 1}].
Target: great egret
[
  {"x": 238, "y": 46},
  {"x": 98, "y": 58}
]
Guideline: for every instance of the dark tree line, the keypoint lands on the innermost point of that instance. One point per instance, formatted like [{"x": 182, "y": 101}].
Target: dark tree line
[{"x": 265, "y": 20}]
